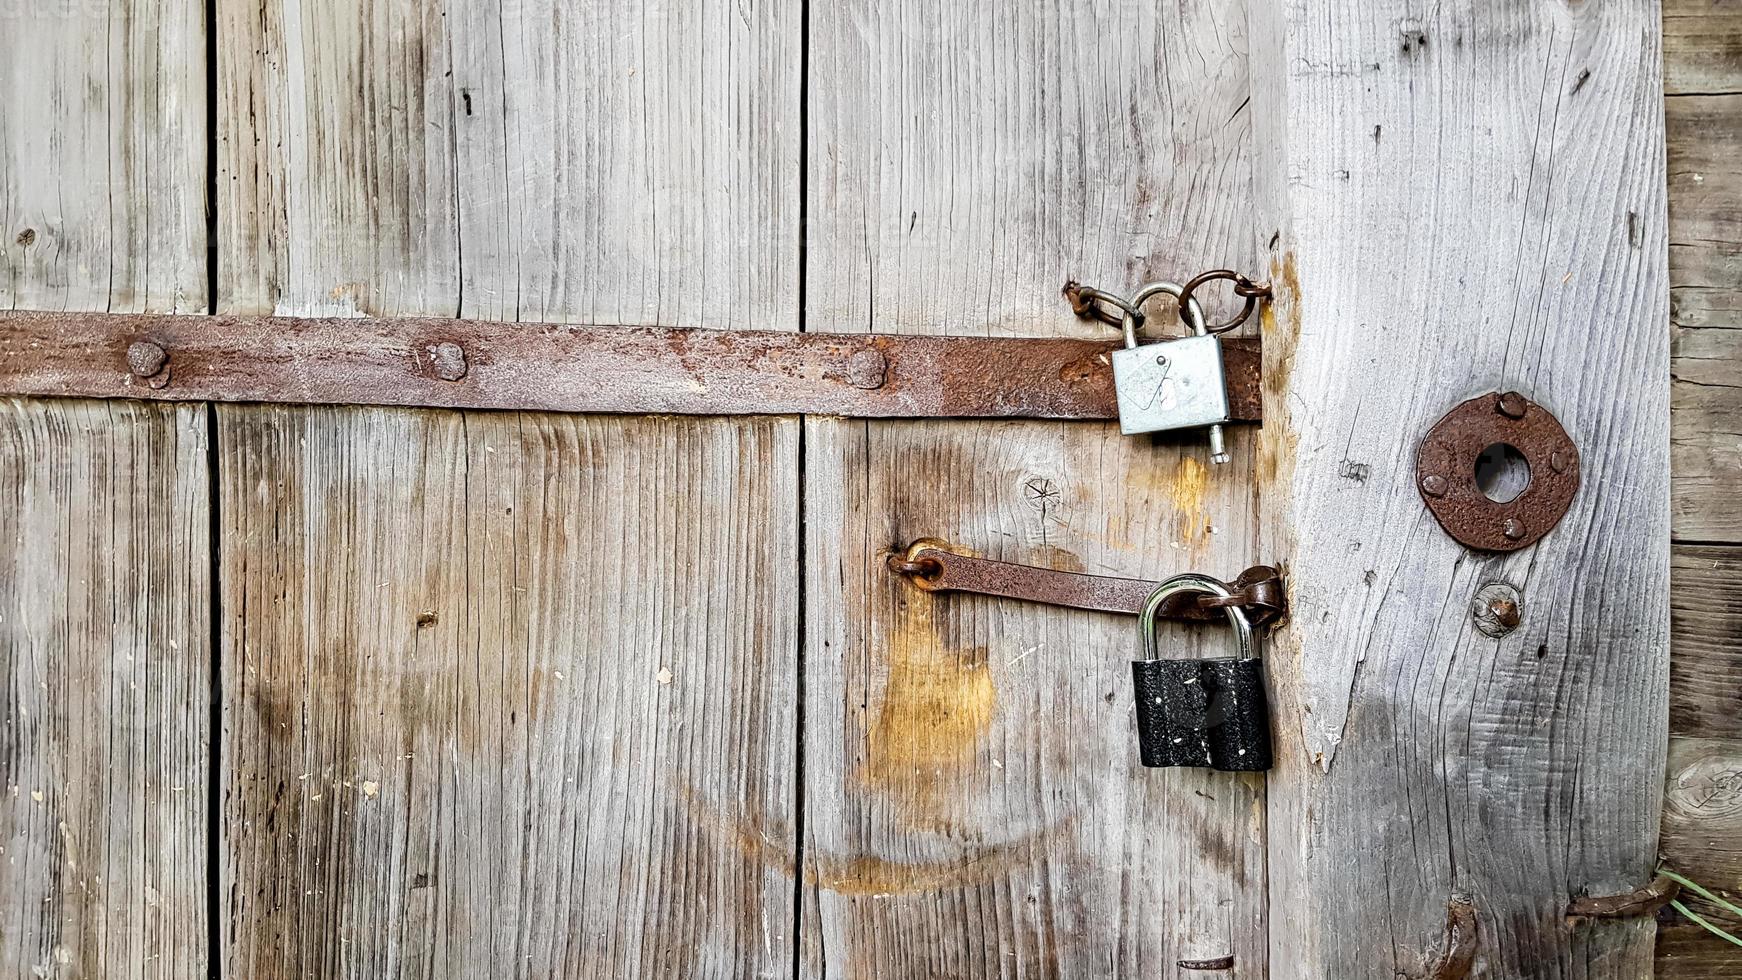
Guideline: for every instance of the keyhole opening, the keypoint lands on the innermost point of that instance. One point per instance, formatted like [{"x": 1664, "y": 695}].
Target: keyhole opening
[{"x": 1502, "y": 473}]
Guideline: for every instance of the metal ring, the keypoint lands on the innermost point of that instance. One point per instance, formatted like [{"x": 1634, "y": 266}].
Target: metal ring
[
  {"x": 921, "y": 569},
  {"x": 1243, "y": 287},
  {"x": 917, "y": 567},
  {"x": 1203, "y": 585},
  {"x": 1191, "y": 311},
  {"x": 1084, "y": 300}
]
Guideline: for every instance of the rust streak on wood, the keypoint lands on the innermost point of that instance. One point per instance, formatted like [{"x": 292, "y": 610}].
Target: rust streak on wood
[
  {"x": 1642, "y": 901},
  {"x": 1459, "y": 954},
  {"x": 443, "y": 363}
]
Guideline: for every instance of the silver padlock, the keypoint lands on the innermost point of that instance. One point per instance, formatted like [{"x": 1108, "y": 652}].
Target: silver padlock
[{"x": 1171, "y": 384}]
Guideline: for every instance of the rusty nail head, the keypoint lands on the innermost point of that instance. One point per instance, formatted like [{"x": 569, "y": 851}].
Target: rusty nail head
[
  {"x": 1512, "y": 405},
  {"x": 867, "y": 369},
  {"x": 1557, "y": 461},
  {"x": 1433, "y": 485},
  {"x": 1505, "y": 612},
  {"x": 450, "y": 360},
  {"x": 1497, "y": 609},
  {"x": 145, "y": 358},
  {"x": 1513, "y": 529}
]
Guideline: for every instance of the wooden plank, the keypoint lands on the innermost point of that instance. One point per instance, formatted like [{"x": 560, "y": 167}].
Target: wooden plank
[
  {"x": 1705, "y": 671},
  {"x": 103, "y": 157},
  {"x": 1702, "y": 811},
  {"x": 973, "y": 804},
  {"x": 542, "y": 162},
  {"x": 526, "y": 795},
  {"x": 1702, "y": 47},
  {"x": 1706, "y": 442},
  {"x": 1703, "y": 75},
  {"x": 105, "y": 604},
  {"x": 492, "y": 705},
  {"x": 106, "y": 666},
  {"x": 1705, "y": 182},
  {"x": 1505, "y": 162},
  {"x": 1687, "y": 952},
  {"x": 1702, "y": 839}
]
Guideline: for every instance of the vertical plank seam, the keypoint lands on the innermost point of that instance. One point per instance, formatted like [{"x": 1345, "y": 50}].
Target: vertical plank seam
[
  {"x": 215, "y": 710},
  {"x": 801, "y": 626},
  {"x": 214, "y": 580}
]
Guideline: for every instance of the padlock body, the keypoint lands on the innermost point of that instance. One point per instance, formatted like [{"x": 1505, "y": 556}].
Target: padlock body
[
  {"x": 1171, "y": 384},
  {"x": 1207, "y": 713}
]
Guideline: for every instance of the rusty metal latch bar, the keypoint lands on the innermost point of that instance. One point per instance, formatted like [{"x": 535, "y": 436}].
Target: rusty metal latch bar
[
  {"x": 931, "y": 565},
  {"x": 451, "y": 363}
]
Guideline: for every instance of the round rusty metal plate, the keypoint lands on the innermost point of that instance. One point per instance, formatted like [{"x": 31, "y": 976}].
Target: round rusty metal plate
[{"x": 1445, "y": 472}]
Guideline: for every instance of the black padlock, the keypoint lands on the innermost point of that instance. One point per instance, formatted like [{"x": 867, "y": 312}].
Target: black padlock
[{"x": 1209, "y": 713}]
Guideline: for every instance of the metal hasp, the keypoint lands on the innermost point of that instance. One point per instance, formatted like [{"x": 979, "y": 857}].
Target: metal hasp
[
  {"x": 1208, "y": 713},
  {"x": 930, "y": 565},
  {"x": 477, "y": 364},
  {"x": 1445, "y": 472}
]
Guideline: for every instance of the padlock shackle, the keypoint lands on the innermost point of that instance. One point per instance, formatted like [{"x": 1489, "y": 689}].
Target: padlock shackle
[
  {"x": 1192, "y": 582},
  {"x": 1194, "y": 322}
]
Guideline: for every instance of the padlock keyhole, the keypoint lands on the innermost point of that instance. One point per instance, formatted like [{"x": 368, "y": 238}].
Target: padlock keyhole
[{"x": 1502, "y": 473}]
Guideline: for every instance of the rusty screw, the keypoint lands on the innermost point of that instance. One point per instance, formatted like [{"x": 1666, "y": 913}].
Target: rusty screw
[
  {"x": 449, "y": 359},
  {"x": 1434, "y": 485},
  {"x": 1513, "y": 529},
  {"x": 1496, "y": 609},
  {"x": 1511, "y": 405}
]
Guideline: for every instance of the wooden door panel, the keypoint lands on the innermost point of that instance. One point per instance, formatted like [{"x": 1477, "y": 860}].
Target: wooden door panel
[
  {"x": 105, "y": 602},
  {"x": 973, "y": 801},
  {"x": 493, "y": 708},
  {"x": 1471, "y": 199},
  {"x": 550, "y": 776},
  {"x": 105, "y": 658}
]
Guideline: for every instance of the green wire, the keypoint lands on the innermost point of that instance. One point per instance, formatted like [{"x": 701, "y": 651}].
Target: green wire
[
  {"x": 1703, "y": 893},
  {"x": 1702, "y": 923}
]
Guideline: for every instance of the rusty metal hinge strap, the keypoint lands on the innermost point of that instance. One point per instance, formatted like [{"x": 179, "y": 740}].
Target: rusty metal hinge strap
[
  {"x": 931, "y": 565},
  {"x": 442, "y": 363}
]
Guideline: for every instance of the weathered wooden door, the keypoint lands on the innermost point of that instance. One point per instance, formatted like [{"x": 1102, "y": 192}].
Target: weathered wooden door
[{"x": 365, "y": 692}]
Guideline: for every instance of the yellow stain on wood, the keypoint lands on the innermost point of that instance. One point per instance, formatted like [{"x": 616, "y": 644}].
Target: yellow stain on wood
[
  {"x": 1188, "y": 490},
  {"x": 937, "y": 705},
  {"x": 1279, "y": 321},
  {"x": 863, "y": 874},
  {"x": 867, "y": 875}
]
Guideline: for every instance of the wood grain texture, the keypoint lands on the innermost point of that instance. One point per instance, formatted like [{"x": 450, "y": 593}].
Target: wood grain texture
[
  {"x": 543, "y": 805},
  {"x": 1705, "y": 188},
  {"x": 1702, "y": 839},
  {"x": 1703, "y": 116},
  {"x": 1702, "y": 47},
  {"x": 105, "y": 625},
  {"x": 103, "y": 156},
  {"x": 617, "y": 162},
  {"x": 974, "y": 805},
  {"x": 493, "y": 708},
  {"x": 1687, "y": 952},
  {"x": 1506, "y": 162},
  {"x": 1705, "y": 670},
  {"x": 1702, "y": 811},
  {"x": 105, "y": 664}
]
